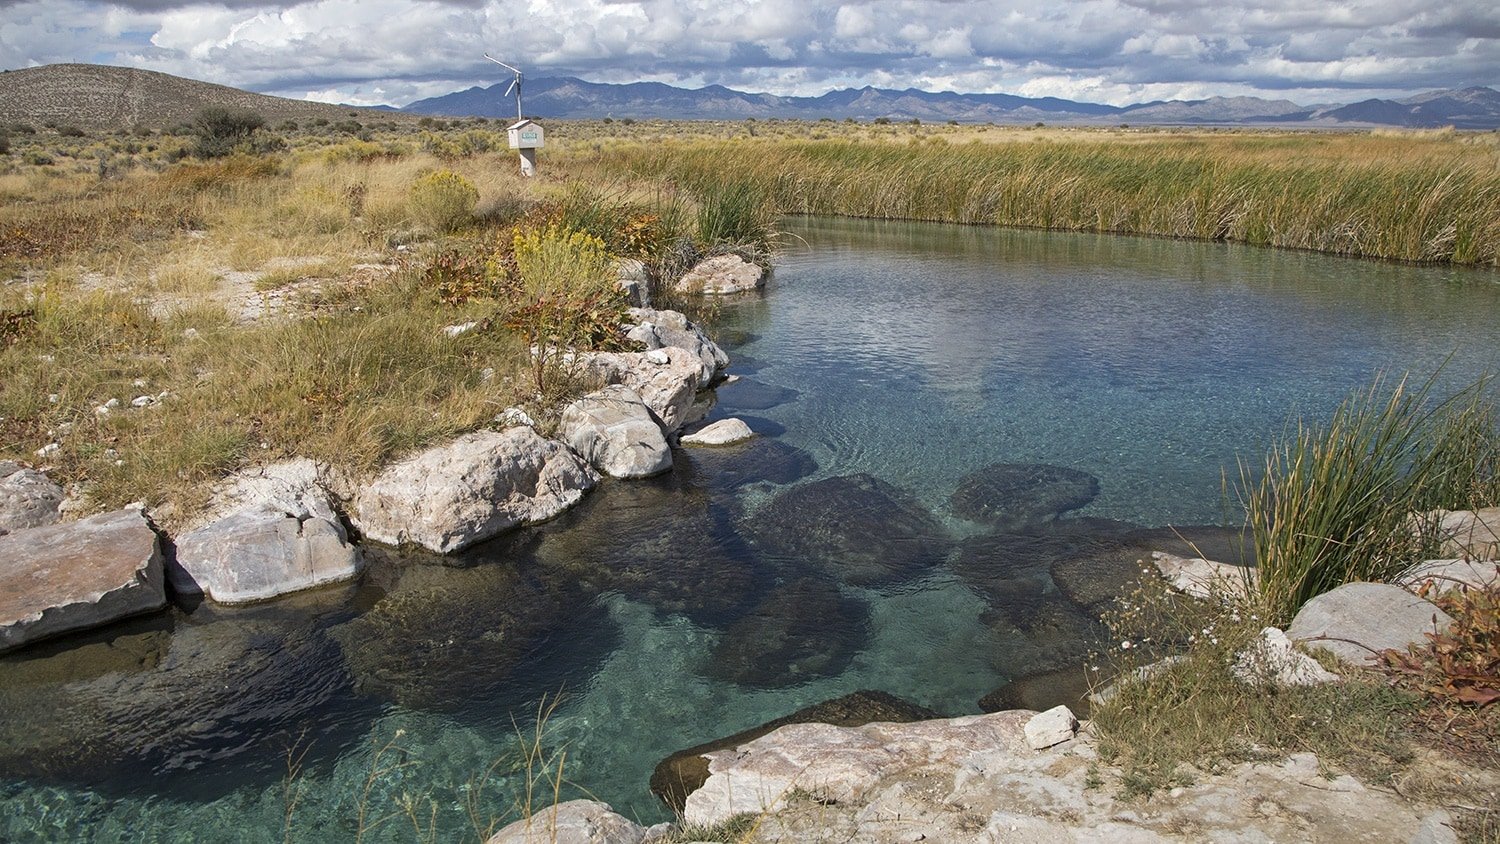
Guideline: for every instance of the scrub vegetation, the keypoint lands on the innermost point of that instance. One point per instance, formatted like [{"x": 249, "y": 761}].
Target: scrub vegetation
[
  {"x": 1332, "y": 503},
  {"x": 178, "y": 306}
]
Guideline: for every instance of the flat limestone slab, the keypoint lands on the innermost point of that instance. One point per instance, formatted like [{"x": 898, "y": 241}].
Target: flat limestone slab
[{"x": 74, "y": 576}]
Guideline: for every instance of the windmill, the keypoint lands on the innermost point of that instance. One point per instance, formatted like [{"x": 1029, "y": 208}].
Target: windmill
[{"x": 525, "y": 135}]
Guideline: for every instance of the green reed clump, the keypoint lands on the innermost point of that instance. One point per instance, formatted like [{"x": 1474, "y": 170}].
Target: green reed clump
[
  {"x": 737, "y": 213},
  {"x": 1406, "y": 199},
  {"x": 1334, "y": 503}
]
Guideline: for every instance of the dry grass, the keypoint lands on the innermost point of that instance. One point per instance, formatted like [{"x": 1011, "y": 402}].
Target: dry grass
[{"x": 1408, "y": 197}]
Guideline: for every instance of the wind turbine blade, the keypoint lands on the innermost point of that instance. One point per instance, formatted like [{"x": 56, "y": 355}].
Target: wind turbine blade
[{"x": 511, "y": 88}]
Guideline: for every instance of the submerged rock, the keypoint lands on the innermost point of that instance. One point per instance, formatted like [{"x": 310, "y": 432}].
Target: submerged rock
[
  {"x": 612, "y": 428},
  {"x": 1039, "y": 692},
  {"x": 684, "y": 772},
  {"x": 1357, "y": 621},
  {"x": 1053, "y": 635},
  {"x": 1013, "y": 495},
  {"x": 1012, "y": 570},
  {"x": 857, "y": 528},
  {"x": 720, "y": 275},
  {"x": 750, "y": 394},
  {"x": 663, "y": 541},
  {"x": 451, "y": 496},
  {"x": 61, "y": 578},
  {"x": 269, "y": 531},
  {"x": 802, "y": 630},
  {"x": 229, "y": 686},
  {"x": 444, "y": 637},
  {"x": 759, "y": 460},
  {"x": 1098, "y": 577},
  {"x": 28, "y": 498}
]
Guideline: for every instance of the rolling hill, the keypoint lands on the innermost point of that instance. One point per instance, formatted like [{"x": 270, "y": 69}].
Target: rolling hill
[{"x": 92, "y": 96}]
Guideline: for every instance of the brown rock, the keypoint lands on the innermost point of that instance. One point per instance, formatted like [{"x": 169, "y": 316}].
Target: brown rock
[{"x": 61, "y": 578}]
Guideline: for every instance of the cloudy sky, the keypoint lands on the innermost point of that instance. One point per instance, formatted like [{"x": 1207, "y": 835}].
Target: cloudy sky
[{"x": 1115, "y": 51}]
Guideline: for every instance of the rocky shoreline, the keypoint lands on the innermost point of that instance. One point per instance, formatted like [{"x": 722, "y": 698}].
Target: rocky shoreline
[{"x": 290, "y": 526}]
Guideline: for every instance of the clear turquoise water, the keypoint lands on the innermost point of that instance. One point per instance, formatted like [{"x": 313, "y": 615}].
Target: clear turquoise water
[{"x": 915, "y": 353}]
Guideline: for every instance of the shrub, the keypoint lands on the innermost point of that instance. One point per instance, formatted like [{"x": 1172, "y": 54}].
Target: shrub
[
  {"x": 443, "y": 201},
  {"x": 566, "y": 297},
  {"x": 4, "y": 143},
  {"x": 70, "y": 131},
  {"x": 221, "y": 131}
]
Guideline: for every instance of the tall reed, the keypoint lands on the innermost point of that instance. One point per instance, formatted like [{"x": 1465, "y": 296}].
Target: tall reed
[
  {"x": 1341, "y": 501},
  {"x": 1407, "y": 199}
]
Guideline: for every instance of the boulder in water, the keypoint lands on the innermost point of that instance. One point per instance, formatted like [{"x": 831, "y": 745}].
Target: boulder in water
[
  {"x": 443, "y": 636},
  {"x": 857, "y": 528},
  {"x": 614, "y": 431},
  {"x": 449, "y": 497},
  {"x": 1010, "y": 496},
  {"x": 802, "y": 630},
  {"x": 759, "y": 460}
]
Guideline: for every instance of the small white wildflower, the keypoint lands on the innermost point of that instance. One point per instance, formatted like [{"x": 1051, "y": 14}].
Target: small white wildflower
[{"x": 1125, "y": 645}]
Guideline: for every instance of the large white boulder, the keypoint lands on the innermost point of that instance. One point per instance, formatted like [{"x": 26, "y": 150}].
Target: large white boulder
[
  {"x": 449, "y": 497},
  {"x": 573, "y": 822},
  {"x": 661, "y": 329},
  {"x": 28, "y": 498},
  {"x": 721, "y": 274},
  {"x": 667, "y": 380},
  {"x": 1359, "y": 620},
  {"x": 613, "y": 429},
  {"x": 60, "y": 578},
  {"x": 268, "y": 531}
]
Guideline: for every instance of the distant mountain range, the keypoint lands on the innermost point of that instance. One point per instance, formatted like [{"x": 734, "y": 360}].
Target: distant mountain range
[
  {"x": 1464, "y": 108},
  {"x": 103, "y": 96}
]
